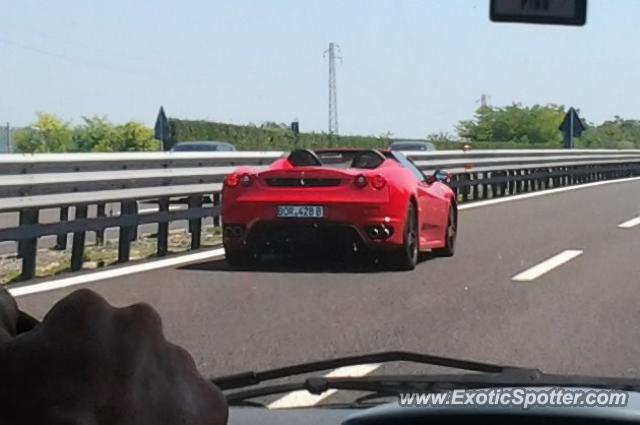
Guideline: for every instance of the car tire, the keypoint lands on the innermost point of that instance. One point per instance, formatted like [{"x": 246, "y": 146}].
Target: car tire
[
  {"x": 451, "y": 233},
  {"x": 406, "y": 258}
]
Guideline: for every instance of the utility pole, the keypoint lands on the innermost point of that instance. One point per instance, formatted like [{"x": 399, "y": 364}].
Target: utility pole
[
  {"x": 9, "y": 138},
  {"x": 333, "y": 53},
  {"x": 484, "y": 100}
]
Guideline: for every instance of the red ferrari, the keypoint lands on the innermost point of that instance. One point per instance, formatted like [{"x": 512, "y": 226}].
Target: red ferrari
[{"x": 358, "y": 200}]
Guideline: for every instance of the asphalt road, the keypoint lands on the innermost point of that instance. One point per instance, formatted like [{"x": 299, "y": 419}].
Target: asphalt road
[{"x": 578, "y": 318}]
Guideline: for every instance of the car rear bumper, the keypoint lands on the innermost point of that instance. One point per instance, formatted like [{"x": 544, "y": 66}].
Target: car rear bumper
[{"x": 257, "y": 223}]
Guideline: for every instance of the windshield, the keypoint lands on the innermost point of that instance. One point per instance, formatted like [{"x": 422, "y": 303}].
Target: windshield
[
  {"x": 412, "y": 146},
  {"x": 505, "y": 231},
  {"x": 186, "y": 147}
]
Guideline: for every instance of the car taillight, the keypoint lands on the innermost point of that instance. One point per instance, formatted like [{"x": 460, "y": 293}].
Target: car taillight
[
  {"x": 378, "y": 182},
  {"x": 246, "y": 180},
  {"x": 361, "y": 181},
  {"x": 232, "y": 180}
]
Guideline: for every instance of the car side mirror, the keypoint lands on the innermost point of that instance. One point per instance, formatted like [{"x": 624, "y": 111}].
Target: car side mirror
[{"x": 440, "y": 176}]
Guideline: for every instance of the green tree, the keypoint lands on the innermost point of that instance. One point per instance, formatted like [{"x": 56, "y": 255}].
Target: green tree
[
  {"x": 92, "y": 132},
  {"x": 441, "y": 137},
  {"x": 614, "y": 134},
  {"x": 514, "y": 123},
  {"x": 130, "y": 137},
  {"x": 48, "y": 134}
]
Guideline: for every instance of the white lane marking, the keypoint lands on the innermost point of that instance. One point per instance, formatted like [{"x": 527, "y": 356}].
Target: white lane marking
[
  {"x": 304, "y": 398},
  {"x": 109, "y": 274},
  {"x": 541, "y": 193},
  {"x": 547, "y": 265},
  {"x": 630, "y": 223}
]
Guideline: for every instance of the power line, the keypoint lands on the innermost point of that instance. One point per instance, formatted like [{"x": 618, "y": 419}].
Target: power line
[
  {"x": 95, "y": 49},
  {"x": 91, "y": 64},
  {"x": 334, "y": 53},
  {"x": 66, "y": 58}
]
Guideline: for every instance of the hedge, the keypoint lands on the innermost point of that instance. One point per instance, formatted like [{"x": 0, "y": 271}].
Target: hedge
[{"x": 256, "y": 138}]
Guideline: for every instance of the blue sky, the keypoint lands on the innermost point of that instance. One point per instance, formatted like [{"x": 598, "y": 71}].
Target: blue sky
[{"x": 411, "y": 67}]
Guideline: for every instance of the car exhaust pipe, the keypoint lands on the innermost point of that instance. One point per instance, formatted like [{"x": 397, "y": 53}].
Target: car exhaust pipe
[
  {"x": 379, "y": 232},
  {"x": 233, "y": 231}
]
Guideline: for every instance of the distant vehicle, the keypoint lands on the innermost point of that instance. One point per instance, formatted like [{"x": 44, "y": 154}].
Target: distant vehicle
[
  {"x": 412, "y": 145},
  {"x": 203, "y": 146},
  {"x": 339, "y": 199}
]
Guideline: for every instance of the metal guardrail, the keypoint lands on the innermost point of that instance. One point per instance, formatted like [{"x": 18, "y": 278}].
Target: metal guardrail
[{"x": 32, "y": 183}]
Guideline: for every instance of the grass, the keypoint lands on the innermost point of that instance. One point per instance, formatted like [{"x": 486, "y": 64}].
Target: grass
[{"x": 52, "y": 263}]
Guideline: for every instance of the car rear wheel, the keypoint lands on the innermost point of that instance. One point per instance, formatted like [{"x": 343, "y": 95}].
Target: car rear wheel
[
  {"x": 407, "y": 257},
  {"x": 450, "y": 236}
]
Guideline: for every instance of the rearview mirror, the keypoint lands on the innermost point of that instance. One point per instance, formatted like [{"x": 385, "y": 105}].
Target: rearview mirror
[
  {"x": 554, "y": 12},
  {"x": 440, "y": 176}
]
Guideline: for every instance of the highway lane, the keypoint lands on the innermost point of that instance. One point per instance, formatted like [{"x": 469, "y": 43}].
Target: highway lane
[{"x": 578, "y": 318}]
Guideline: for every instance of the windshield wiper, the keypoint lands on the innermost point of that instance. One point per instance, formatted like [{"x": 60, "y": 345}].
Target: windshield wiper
[
  {"x": 393, "y": 385},
  {"x": 491, "y": 376},
  {"x": 246, "y": 379}
]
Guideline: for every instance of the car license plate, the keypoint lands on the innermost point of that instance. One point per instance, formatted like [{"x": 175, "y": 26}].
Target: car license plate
[{"x": 300, "y": 211}]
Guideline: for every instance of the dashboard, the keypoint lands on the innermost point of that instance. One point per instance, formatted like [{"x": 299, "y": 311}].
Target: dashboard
[{"x": 392, "y": 413}]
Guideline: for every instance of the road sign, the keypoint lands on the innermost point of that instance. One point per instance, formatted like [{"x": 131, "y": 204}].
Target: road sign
[
  {"x": 571, "y": 127},
  {"x": 161, "y": 129},
  {"x": 295, "y": 127},
  {"x": 556, "y": 12}
]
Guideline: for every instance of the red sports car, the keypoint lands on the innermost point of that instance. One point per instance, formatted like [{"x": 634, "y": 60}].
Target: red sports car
[{"x": 358, "y": 200}]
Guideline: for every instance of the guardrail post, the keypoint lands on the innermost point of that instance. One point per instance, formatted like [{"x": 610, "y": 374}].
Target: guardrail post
[
  {"x": 521, "y": 181},
  {"x": 532, "y": 182},
  {"x": 163, "y": 230},
  {"x": 465, "y": 187},
  {"x": 195, "y": 225},
  {"x": 216, "y": 203},
  {"x": 61, "y": 240},
  {"x": 572, "y": 175},
  {"x": 28, "y": 248},
  {"x": 77, "y": 249},
  {"x": 485, "y": 187},
  {"x": 454, "y": 183},
  {"x": 100, "y": 233},
  {"x": 126, "y": 232},
  {"x": 495, "y": 188},
  {"x": 555, "y": 180},
  {"x": 474, "y": 188},
  {"x": 132, "y": 209}
]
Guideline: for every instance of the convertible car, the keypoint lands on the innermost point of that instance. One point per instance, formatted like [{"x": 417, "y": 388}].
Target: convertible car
[{"x": 336, "y": 200}]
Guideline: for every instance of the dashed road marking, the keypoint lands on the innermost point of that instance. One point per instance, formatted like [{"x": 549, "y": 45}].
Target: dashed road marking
[
  {"x": 630, "y": 223},
  {"x": 304, "y": 398},
  {"x": 547, "y": 265}
]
